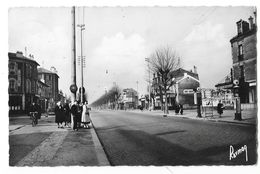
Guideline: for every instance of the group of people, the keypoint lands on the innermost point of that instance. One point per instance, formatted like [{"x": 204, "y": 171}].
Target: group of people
[{"x": 75, "y": 114}]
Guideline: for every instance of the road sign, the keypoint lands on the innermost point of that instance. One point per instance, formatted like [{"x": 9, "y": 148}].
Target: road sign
[
  {"x": 73, "y": 88},
  {"x": 82, "y": 91}
]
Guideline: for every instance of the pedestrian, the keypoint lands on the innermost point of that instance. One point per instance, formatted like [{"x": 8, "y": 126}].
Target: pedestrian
[
  {"x": 220, "y": 108},
  {"x": 74, "y": 112},
  {"x": 79, "y": 114},
  {"x": 59, "y": 115},
  {"x": 67, "y": 116},
  {"x": 177, "y": 109},
  {"x": 33, "y": 108},
  {"x": 38, "y": 107},
  {"x": 85, "y": 119},
  {"x": 181, "y": 109}
]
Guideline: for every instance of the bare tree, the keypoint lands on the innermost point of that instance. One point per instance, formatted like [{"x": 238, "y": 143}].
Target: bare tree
[{"x": 162, "y": 63}]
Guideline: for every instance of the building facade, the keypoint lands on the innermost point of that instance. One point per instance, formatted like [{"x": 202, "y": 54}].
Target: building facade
[
  {"x": 185, "y": 82},
  {"x": 22, "y": 78},
  {"x": 42, "y": 94},
  {"x": 128, "y": 99},
  {"x": 224, "y": 91},
  {"x": 51, "y": 78},
  {"x": 244, "y": 54}
]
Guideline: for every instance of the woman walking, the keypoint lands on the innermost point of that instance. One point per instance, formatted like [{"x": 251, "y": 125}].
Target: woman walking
[
  {"x": 67, "y": 115},
  {"x": 85, "y": 116},
  {"x": 59, "y": 114}
]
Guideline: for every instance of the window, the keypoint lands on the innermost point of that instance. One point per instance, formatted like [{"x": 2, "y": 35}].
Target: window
[
  {"x": 11, "y": 66},
  {"x": 11, "y": 84},
  {"x": 239, "y": 27},
  {"x": 240, "y": 52}
]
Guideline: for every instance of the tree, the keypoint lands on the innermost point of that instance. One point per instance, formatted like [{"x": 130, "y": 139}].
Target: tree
[
  {"x": 111, "y": 97},
  {"x": 162, "y": 63}
]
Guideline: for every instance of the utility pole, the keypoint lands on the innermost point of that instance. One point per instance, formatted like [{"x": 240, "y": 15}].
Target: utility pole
[
  {"x": 82, "y": 27},
  {"x": 73, "y": 86},
  {"x": 149, "y": 89}
]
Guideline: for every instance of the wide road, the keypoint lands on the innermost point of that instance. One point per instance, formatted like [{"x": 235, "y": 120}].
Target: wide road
[{"x": 135, "y": 138}]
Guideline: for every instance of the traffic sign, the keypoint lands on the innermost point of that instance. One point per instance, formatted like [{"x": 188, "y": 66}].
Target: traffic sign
[
  {"x": 83, "y": 90},
  {"x": 73, "y": 88}
]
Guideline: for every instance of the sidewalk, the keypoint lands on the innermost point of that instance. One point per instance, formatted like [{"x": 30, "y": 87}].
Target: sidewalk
[
  {"x": 62, "y": 147},
  {"x": 249, "y": 117}
]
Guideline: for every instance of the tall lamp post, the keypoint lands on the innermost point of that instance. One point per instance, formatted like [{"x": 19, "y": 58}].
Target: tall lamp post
[
  {"x": 82, "y": 27},
  {"x": 73, "y": 86},
  {"x": 149, "y": 88},
  {"x": 238, "y": 115},
  {"x": 198, "y": 100}
]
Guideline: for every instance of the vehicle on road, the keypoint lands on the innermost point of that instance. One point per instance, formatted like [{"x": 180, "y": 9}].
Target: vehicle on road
[{"x": 33, "y": 116}]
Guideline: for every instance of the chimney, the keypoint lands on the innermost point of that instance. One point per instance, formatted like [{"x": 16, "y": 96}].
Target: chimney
[
  {"x": 251, "y": 23},
  {"x": 19, "y": 54},
  {"x": 195, "y": 70}
]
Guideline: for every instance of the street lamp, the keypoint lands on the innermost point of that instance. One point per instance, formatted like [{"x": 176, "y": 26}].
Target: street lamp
[
  {"x": 238, "y": 115},
  {"x": 149, "y": 89},
  {"x": 198, "y": 99},
  {"x": 82, "y": 27}
]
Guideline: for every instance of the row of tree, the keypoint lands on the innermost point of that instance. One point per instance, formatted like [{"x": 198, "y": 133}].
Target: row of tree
[{"x": 110, "y": 96}]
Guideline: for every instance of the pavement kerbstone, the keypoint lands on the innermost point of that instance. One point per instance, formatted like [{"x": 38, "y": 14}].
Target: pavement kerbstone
[{"x": 250, "y": 116}]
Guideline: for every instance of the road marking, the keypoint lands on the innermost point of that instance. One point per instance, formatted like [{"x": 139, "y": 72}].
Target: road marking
[
  {"x": 45, "y": 151},
  {"x": 101, "y": 157}
]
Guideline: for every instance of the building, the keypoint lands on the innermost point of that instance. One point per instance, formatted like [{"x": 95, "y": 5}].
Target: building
[
  {"x": 42, "y": 94},
  {"x": 224, "y": 90},
  {"x": 185, "y": 82},
  {"x": 50, "y": 77},
  {"x": 128, "y": 99},
  {"x": 244, "y": 54},
  {"x": 23, "y": 79}
]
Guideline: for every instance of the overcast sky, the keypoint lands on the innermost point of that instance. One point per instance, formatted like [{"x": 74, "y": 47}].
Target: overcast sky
[{"x": 118, "y": 40}]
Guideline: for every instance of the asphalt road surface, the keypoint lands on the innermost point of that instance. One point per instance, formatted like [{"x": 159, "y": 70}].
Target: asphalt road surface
[{"x": 133, "y": 139}]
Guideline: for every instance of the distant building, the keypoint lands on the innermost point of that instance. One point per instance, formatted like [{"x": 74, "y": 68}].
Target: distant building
[
  {"x": 50, "y": 78},
  {"x": 224, "y": 90},
  {"x": 244, "y": 54},
  {"x": 181, "y": 92},
  {"x": 128, "y": 99},
  {"x": 42, "y": 94},
  {"x": 22, "y": 78}
]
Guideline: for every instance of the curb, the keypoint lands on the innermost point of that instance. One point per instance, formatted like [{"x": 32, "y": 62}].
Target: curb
[
  {"x": 224, "y": 121},
  {"x": 100, "y": 152},
  {"x": 234, "y": 122}
]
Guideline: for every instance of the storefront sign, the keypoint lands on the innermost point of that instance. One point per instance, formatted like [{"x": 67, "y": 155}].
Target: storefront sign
[{"x": 188, "y": 91}]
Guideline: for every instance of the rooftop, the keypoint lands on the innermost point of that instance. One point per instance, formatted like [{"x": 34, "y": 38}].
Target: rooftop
[{"x": 19, "y": 55}]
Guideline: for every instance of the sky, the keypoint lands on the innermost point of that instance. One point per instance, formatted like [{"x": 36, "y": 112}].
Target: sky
[{"x": 116, "y": 41}]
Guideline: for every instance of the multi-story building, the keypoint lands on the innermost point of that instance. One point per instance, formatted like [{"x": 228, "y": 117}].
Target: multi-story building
[
  {"x": 128, "y": 99},
  {"x": 244, "y": 54},
  {"x": 22, "y": 78},
  {"x": 185, "y": 82},
  {"x": 50, "y": 78}
]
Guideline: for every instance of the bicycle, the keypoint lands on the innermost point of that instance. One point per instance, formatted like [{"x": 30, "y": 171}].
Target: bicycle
[{"x": 33, "y": 116}]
